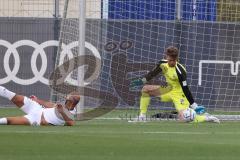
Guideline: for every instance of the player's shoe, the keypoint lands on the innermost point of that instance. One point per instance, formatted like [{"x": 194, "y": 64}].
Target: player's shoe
[
  {"x": 140, "y": 118},
  {"x": 211, "y": 118}
]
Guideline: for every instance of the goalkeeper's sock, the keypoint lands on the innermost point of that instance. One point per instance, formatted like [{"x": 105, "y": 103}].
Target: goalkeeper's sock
[
  {"x": 6, "y": 93},
  {"x": 3, "y": 121},
  {"x": 144, "y": 102},
  {"x": 200, "y": 118},
  {"x": 206, "y": 118},
  {"x": 211, "y": 118}
]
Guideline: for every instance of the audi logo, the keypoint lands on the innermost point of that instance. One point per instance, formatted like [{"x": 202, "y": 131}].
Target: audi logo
[{"x": 38, "y": 50}]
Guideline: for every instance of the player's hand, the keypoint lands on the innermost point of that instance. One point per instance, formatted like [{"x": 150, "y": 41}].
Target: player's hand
[
  {"x": 60, "y": 108},
  {"x": 33, "y": 97},
  {"x": 136, "y": 82},
  {"x": 200, "y": 109}
]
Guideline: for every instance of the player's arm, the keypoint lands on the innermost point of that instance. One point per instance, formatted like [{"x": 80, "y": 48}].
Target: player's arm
[
  {"x": 44, "y": 103},
  {"x": 182, "y": 76},
  {"x": 67, "y": 119},
  {"x": 153, "y": 73},
  {"x": 150, "y": 75}
]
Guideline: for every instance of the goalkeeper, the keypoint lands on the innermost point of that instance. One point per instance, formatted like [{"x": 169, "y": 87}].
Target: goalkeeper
[{"x": 179, "y": 93}]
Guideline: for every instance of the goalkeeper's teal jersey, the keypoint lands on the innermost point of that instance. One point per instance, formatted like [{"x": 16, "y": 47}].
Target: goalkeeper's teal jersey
[{"x": 175, "y": 76}]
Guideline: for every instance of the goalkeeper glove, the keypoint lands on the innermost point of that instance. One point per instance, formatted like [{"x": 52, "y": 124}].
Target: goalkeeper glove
[
  {"x": 199, "y": 109},
  {"x": 137, "y": 82}
]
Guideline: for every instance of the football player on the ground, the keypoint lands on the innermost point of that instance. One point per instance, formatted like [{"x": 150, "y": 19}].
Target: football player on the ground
[{"x": 40, "y": 112}]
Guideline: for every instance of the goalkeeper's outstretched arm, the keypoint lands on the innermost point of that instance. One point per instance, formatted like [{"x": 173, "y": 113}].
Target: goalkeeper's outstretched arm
[
  {"x": 150, "y": 75},
  {"x": 153, "y": 73},
  {"x": 182, "y": 76}
]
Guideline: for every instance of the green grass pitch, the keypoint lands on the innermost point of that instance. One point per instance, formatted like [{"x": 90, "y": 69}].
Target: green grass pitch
[{"x": 120, "y": 140}]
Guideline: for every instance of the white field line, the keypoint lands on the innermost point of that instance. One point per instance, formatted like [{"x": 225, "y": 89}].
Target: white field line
[
  {"x": 84, "y": 133},
  {"x": 148, "y": 119},
  {"x": 221, "y": 117},
  {"x": 163, "y": 132}
]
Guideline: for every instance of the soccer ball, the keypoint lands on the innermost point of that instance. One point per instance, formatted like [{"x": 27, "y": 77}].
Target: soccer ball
[{"x": 188, "y": 115}]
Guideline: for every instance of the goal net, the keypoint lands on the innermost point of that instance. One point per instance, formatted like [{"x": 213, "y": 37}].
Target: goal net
[{"x": 126, "y": 39}]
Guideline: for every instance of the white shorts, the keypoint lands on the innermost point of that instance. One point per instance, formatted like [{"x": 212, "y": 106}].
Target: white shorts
[{"x": 33, "y": 111}]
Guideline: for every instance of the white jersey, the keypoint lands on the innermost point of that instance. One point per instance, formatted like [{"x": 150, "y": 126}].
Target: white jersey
[
  {"x": 50, "y": 116},
  {"x": 35, "y": 111}
]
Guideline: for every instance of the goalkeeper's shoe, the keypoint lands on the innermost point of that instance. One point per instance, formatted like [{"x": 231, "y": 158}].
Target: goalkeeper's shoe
[
  {"x": 211, "y": 118},
  {"x": 140, "y": 118}
]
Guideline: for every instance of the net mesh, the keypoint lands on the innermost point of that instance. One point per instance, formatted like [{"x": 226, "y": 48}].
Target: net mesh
[{"x": 128, "y": 39}]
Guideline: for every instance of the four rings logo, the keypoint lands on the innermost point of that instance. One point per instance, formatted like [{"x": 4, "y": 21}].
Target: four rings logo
[{"x": 38, "y": 51}]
